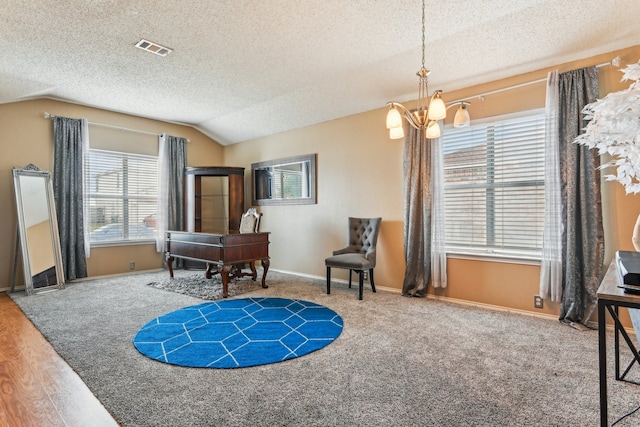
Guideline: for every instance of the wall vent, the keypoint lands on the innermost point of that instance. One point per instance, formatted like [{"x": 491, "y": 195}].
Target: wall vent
[{"x": 153, "y": 47}]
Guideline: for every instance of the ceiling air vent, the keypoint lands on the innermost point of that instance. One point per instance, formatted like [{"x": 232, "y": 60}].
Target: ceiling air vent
[{"x": 153, "y": 47}]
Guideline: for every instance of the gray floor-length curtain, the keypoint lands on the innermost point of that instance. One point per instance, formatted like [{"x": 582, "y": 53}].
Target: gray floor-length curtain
[
  {"x": 417, "y": 214},
  {"x": 583, "y": 234},
  {"x": 173, "y": 162},
  {"x": 68, "y": 176}
]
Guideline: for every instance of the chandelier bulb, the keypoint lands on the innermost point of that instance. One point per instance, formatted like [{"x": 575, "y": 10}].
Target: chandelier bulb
[
  {"x": 437, "y": 109},
  {"x": 393, "y": 118},
  {"x": 396, "y": 132},
  {"x": 461, "y": 119},
  {"x": 433, "y": 130}
]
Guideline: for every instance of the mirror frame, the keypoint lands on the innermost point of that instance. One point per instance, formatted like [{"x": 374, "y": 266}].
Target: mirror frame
[
  {"x": 310, "y": 158},
  {"x": 33, "y": 171}
]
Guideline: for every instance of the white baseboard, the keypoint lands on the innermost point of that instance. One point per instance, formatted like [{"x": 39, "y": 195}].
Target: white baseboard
[
  {"x": 495, "y": 307},
  {"x": 437, "y": 298}
]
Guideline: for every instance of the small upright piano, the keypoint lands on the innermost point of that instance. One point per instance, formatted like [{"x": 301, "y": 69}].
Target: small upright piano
[{"x": 223, "y": 253}]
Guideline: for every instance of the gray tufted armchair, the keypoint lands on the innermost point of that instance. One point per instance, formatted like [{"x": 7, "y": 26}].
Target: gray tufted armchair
[{"x": 360, "y": 255}]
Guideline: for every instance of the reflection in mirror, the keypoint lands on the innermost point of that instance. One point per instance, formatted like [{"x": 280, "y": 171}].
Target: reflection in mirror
[
  {"x": 37, "y": 230},
  {"x": 285, "y": 181}
]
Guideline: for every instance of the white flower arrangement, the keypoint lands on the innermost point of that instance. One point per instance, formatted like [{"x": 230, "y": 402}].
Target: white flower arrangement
[{"x": 615, "y": 129}]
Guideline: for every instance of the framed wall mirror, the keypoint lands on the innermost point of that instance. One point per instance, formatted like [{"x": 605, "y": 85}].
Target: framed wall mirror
[
  {"x": 38, "y": 238},
  {"x": 287, "y": 181}
]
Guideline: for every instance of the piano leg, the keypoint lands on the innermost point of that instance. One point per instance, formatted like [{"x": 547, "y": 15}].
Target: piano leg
[
  {"x": 224, "y": 272},
  {"x": 207, "y": 272},
  {"x": 254, "y": 273},
  {"x": 265, "y": 268},
  {"x": 170, "y": 265}
]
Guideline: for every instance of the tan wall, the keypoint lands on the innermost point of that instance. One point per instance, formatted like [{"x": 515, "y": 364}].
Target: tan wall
[
  {"x": 360, "y": 174},
  {"x": 27, "y": 137}
]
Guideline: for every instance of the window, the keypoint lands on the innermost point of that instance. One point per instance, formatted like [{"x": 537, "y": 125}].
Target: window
[
  {"x": 123, "y": 196},
  {"x": 287, "y": 182},
  {"x": 494, "y": 187}
]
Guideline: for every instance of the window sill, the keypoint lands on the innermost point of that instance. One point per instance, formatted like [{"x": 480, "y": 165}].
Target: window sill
[
  {"x": 121, "y": 243},
  {"x": 502, "y": 258}
]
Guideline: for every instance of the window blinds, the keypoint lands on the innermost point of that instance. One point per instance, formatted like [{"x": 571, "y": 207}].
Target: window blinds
[
  {"x": 123, "y": 195},
  {"x": 494, "y": 187}
]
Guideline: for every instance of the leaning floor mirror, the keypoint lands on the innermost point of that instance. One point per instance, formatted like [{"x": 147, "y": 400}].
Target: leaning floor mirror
[{"x": 37, "y": 238}]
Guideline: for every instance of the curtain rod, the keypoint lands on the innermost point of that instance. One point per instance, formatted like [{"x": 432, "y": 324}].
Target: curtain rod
[
  {"x": 615, "y": 61},
  {"x": 49, "y": 116}
]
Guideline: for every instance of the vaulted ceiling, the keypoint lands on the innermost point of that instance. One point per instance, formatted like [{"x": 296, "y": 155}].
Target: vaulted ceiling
[{"x": 242, "y": 69}]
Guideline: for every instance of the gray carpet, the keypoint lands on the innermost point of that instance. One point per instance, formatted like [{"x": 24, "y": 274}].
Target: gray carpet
[{"x": 399, "y": 361}]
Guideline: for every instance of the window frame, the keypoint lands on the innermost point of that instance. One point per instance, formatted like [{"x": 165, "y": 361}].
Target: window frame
[
  {"x": 126, "y": 198},
  {"x": 499, "y": 253}
]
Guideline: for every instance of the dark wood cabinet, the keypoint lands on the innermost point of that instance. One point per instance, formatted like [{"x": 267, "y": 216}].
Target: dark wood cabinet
[{"x": 214, "y": 199}]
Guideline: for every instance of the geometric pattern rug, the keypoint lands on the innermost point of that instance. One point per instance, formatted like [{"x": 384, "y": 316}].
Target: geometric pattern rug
[{"x": 238, "y": 333}]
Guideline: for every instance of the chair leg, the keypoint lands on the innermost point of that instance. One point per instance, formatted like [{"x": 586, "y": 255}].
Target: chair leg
[
  {"x": 361, "y": 283},
  {"x": 373, "y": 285},
  {"x": 328, "y": 280},
  {"x": 350, "y": 271}
]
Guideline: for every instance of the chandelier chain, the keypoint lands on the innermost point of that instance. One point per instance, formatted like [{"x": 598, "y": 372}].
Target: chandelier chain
[{"x": 423, "y": 43}]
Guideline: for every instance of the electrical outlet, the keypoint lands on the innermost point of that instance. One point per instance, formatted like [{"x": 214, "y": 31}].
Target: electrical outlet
[
  {"x": 537, "y": 301},
  {"x": 132, "y": 265},
  {"x": 365, "y": 275}
]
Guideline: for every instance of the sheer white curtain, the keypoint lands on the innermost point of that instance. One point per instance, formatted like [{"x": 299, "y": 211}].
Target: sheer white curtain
[
  {"x": 438, "y": 249},
  {"x": 86, "y": 209},
  {"x": 163, "y": 192},
  {"x": 551, "y": 265}
]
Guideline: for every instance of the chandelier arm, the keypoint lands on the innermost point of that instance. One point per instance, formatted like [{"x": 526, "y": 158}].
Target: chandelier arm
[
  {"x": 435, "y": 94},
  {"x": 404, "y": 112}
]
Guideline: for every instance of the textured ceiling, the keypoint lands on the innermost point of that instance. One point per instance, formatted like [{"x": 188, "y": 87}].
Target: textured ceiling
[{"x": 243, "y": 69}]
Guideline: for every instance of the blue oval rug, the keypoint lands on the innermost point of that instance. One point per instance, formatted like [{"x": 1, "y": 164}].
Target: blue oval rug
[{"x": 238, "y": 333}]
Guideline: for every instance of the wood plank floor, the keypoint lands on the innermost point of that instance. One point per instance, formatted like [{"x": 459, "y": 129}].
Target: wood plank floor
[{"x": 37, "y": 387}]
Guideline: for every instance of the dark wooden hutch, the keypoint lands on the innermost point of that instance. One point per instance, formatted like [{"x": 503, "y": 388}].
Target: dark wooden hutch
[{"x": 214, "y": 198}]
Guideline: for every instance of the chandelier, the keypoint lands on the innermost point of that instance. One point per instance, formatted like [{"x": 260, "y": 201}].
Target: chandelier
[{"x": 430, "y": 109}]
